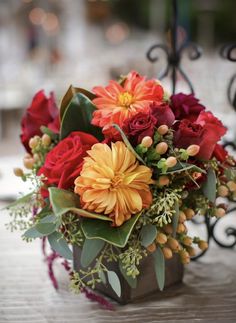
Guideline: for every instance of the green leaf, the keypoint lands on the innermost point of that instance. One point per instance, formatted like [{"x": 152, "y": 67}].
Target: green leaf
[
  {"x": 102, "y": 276},
  {"x": 46, "y": 228},
  {"x": 22, "y": 200},
  {"x": 78, "y": 116},
  {"x": 63, "y": 201},
  {"x": 127, "y": 143},
  {"x": 209, "y": 187},
  {"x": 148, "y": 234},
  {"x": 69, "y": 95},
  {"x": 159, "y": 263},
  {"x": 130, "y": 280},
  {"x": 117, "y": 236},
  {"x": 32, "y": 233},
  {"x": 114, "y": 281},
  {"x": 59, "y": 244},
  {"x": 175, "y": 218},
  {"x": 49, "y": 132},
  {"x": 91, "y": 248},
  {"x": 49, "y": 219},
  {"x": 181, "y": 167}
]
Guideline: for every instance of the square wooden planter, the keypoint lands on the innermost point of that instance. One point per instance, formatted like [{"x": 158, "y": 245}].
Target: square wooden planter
[{"x": 146, "y": 283}]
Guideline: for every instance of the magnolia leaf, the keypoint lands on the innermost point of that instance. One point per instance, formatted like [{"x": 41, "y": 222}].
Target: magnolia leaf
[
  {"x": 63, "y": 201},
  {"x": 117, "y": 236},
  {"x": 127, "y": 143},
  {"x": 69, "y": 95},
  {"x": 148, "y": 234},
  {"x": 102, "y": 276},
  {"x": 159, "y": 263},
  {"x": 130, "y": 280},
  {"x": 209, "y": 187},
  {"x": 32, "y": 233},
  {"x": 181, "y": 167},
  {"x": 175, "y": 218},
  {"x": 114, "y": 281},
  {"x": 59, "y": 244},
  {"x": 78, "y": 116},
  {"x": 91, "y": 248}
]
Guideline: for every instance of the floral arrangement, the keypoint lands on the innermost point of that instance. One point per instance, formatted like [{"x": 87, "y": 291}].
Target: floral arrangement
[{"x": 118, "y": 172}]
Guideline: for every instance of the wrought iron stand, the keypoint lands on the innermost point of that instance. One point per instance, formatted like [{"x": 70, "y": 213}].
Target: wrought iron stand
[{"x": 174, "y": 52}]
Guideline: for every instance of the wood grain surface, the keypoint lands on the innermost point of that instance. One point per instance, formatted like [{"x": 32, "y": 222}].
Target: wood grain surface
[{"x": 208, "y": 293}]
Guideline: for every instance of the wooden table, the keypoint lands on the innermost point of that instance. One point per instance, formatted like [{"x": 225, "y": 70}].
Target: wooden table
[{"x": 208, "y": 293}]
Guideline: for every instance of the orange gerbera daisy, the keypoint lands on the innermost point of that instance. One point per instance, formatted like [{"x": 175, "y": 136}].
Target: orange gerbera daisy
[
  {"x": 112, "y": 182},
  {"x": 116, "y": 102}
]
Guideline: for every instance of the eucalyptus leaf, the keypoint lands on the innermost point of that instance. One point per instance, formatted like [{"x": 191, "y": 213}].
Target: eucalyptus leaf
[
  {"x": 63, "y": 201},
  {"x": 117, "y": 236},
  {"x": 32, "y": 233},
  {"x": 175, "y": 218},
  {"x": 130, "y": 280},
  {"x": 159, "y": 263},
  {"x": 78, "y": 116},
  {"x": 209, "y": 187},
  {"x": 22, "y": 200},
  {"x": 127, "y": 143},
  {"x": 114, "y": 281},
  {"x": 91, "y": 248},
  {"x": 59, "y": 244},
  {"x": 148, "y": 234},
  {"x": 46, "y": 228}
]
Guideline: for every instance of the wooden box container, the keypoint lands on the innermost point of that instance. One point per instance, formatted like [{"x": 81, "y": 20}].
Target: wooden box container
[{"x": 146, "y": 283}]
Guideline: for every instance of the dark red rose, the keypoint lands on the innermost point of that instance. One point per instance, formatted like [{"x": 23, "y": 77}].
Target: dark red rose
[
  {"x": 64, "y": 162},
  {"x": 163, "y": 114},
  {"x": 140, "y": 125},
  {"x": 206, "y": 131},
  {"x": 186, "y": 106},
  {"x": 42, "y": 112},
  {"x": 220, "y": 153}
]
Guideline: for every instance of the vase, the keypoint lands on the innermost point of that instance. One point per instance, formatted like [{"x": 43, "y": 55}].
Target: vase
[{"x": 146, "y": 281}]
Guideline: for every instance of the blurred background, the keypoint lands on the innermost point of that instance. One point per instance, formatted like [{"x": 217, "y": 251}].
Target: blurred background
[{"x": 50, "y": 44}]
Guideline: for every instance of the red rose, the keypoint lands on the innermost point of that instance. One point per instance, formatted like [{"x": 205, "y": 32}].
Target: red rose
[
  {"x": 140, "y": 125},
  {"x": 206, "y": 131},
  {"x": 64, "y": 162},
  {"x": 185, "y": 106},
  {"x": 42, "y": 112},
  {"x": 163, "y": 114},
  {"x": 220, "y": 153}
]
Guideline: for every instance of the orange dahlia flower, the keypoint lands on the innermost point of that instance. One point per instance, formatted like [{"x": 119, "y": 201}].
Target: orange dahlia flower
[
  {"x": 116, "y": 102},
  {"x": 112, "y": 182}
]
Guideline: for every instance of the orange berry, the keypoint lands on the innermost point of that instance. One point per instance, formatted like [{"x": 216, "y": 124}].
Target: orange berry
[
  {"x": 161, "y": 148},
  {"x": 171, "y": 161},
  {"x": 187, "y": 241},
  {"x": 168, "y": 229},
  {"x": 184, "y": 256},
  {"x": 181, "y": 228},
  {"x": 162, "y": 130},
  {"x": 167, "y": 252},
  {"x": 163, "y": 180},
  {"x": 182, "y": 217},
  {"x": 28, "y": 163},
  {"x": 219, "y": 212},
  {"x": 146, "y": 141},
  {"x": 33, "y": 142},
  {"x": 222, "y": 191},
  {"x": 203, "y": 245},
  {"x": 18, "y": 172},
  {"x": 193, "y": 150},
  {"x": 191, "y": 251},
  {"x": 152, "y": 247},
  {"x": 189, "y": 213},
  {"x": 161, "y": 238},
  {"x": 173, "y": 244},
  {"x": 46, "y": 140},
  {"x": 232, "y": 186}
]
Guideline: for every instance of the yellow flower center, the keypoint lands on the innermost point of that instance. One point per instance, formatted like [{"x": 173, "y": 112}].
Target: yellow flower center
[
  {"x": 125, "y": 99},
  {"x": 117, "y": 180}
]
